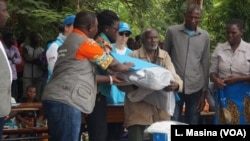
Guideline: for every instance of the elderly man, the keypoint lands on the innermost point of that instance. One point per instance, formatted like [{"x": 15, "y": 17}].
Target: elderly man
[{"x": 140, "y": 114}]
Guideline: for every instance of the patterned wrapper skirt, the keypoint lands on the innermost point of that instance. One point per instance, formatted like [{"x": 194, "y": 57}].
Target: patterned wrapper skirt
[{"x": 233, "y": 104}]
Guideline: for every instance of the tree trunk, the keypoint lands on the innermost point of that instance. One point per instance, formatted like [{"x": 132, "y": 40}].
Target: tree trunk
[{"x": 199, "y": 2}]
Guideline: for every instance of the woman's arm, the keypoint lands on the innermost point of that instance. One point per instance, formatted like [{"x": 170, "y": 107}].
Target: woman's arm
[
  {"x": 233, "y": 79},
  {"x": 219, "y": 82}
]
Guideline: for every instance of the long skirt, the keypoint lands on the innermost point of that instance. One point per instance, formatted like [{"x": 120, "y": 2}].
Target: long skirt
[{"x": 233, "y": 104}]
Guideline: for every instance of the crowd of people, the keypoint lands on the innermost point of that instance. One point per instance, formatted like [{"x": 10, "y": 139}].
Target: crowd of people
[{"x": 76, "y": 75}]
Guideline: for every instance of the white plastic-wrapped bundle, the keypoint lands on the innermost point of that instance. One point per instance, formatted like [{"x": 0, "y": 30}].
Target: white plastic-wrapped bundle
[
  {"x": 154, "y": 78},
  {"x": 150, "y": 79},
  {"x": 145, "y": 74},
  {"x": 161, "y": 99}
]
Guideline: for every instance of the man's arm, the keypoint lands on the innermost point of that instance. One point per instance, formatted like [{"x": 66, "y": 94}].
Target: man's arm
[
  {"x": 91, "y": 50},
  {"x": 168, "y": 41},
  {"x": 205, "y": 66},
  {"x": 177, "y": 80}
]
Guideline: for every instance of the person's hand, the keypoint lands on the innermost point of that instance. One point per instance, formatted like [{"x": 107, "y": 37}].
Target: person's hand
[
  {"x": 6, "y": 117},
  {"x": 231, "y": 79},
  {"x": 107, "y": 48},
  {"x": 30, "y": 124},
  {"x": 117, "y": 79},
  {"x": 219, "y": 83},
  {"x": 128, "y": 65},
  {"x": 10, "y": 58},
  {"x": 15, "y": 55},
  {"x": 201, "y": 102},
  {"x": 172, "y": 87}
]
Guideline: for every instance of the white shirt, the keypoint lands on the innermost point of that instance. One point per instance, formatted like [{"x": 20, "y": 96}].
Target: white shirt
[
  {"x": 225, "y": 62},
  {"x": 51, "y": 55},
  {"x": 121, "y": 51}
]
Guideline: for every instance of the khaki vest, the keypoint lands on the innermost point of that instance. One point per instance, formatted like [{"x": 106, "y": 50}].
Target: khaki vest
[{"x": 73, "y": 81}]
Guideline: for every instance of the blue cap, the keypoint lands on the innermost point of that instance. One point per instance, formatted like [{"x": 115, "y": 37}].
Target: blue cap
[
  {"x": 124, "y": 27},
  {"x": 69, "y": 20}
]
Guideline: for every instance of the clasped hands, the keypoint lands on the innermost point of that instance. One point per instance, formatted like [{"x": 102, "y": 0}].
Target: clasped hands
[{"x": 222, "y": 82}]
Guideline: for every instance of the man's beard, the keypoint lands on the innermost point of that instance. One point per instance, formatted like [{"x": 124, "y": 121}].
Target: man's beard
[{"x": 150, "y": 47}]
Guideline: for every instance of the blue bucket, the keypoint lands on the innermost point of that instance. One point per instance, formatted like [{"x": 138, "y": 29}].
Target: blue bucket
[{"x": 160, "y": 137}]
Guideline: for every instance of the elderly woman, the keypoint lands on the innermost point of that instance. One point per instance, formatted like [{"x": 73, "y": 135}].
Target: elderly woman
[{"x": 230, "y": 71}]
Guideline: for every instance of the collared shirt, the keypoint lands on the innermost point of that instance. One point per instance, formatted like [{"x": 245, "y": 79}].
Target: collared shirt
[
  {"x": 225, "y": 62},
  {"x": 190, "y": 56}
]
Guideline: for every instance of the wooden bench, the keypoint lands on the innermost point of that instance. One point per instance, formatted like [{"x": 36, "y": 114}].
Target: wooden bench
[
  {"x": 33, "y": 132},
  {"x": 207, "y": 117},
  {"x": 25, "y": 130},
  {"x": 26, "y": 138},
  {"x": 116, "y": 114}
]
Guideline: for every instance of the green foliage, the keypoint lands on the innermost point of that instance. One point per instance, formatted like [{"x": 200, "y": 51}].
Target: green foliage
[
  {"x": 44, "y": 16},
  {"x": 222, "y": 12},
  {"x": 34, "y": 15}
]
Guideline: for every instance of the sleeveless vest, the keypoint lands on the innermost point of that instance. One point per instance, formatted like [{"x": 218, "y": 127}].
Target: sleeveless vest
[{"x": 73, "y": 81}]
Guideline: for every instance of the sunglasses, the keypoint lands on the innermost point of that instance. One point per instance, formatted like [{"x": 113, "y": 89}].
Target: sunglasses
[{"x": 124, "y": 33}]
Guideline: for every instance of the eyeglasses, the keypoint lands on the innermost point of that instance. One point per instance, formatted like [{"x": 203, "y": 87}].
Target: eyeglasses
[{"x": 124, "y": 33}]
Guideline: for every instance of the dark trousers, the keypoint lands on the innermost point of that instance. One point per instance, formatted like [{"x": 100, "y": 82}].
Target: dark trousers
[
  {"x": 19, "y": 86},
  {"x": 97, "y": 120},
  {"x": 115, "y": 131},
  {"x": 14, "y": 93},
  {"x": 1, "y": 127},
  {"x": 136, "y": 133},
  {"x": 191, "y": 115}
]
